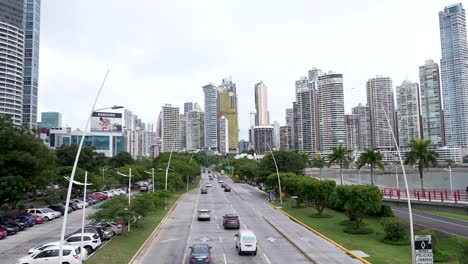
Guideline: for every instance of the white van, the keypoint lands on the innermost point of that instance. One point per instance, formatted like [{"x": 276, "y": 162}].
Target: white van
[{"x": 246, "y": 242}]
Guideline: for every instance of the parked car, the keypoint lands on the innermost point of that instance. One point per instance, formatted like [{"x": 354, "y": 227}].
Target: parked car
[
  {"x": 60, "y": 208},
  {"x": 28, "y": 221},
  {"x": 72, "y": 205},
  {"x": 204, "y": 214},
  {"x": 101, "y": 232},
  {"x": 79, "y": 202},
  {"x": 9, "y": 221},
  {"x": 3, "y": 233},
  {"x": 11, "y": 230},
  {"x": 227, "y": 189},
  {"x": 40, "y": 248},
  {"x": 57, "y": 214},
  {"x": 200, "y": 253},
  {"x": 246, "y": 242},
  {"x": 42, "y": 213},
  {"x": 91, "y": 241},
  {"x": 71, "y": 255},
  {"x": 91, "y": 201},
  {"x": 101, "y": 196},
  {"x": 94, "y": 196},
  {"x": 204, "y": 190},
  {"x": 37, "y": 218},
  {"x": 111, "y": 226},
  {"x": 109, "y": 194},
  {"x": 231, "y": 221}
]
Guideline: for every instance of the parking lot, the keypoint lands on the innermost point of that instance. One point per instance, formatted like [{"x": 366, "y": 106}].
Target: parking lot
[{"x": 16, "y": 246}]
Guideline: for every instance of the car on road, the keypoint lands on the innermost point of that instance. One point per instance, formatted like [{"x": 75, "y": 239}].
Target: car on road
[
  {"x": 71, "y": 255},
  {"x": 41, "y": 212},
  {"x": 227, "y": 189},
  {"x": 91, "y": 241},
  {"x": 11, "y": 230},
  {"x": 223, "y": 185},
  {"x": 200, "y": 253},
  {"x": 203, "y": 191},
  {"x": 246, "y": 242},
  {"x": 57, "y": 214},
  {"x": 220, "y": 181},
  {"x": 9, "y": 221},
  {"x": 3, "y": 233},
  {"x": 204, "y": 214},
  {"x": 208, "y": 184},
  {"x": 231, "y": 221}
]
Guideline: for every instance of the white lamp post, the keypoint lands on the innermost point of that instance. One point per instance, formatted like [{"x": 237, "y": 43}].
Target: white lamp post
[
  {"x": 85, "y": 184},
  {"x": 103, "y": 169},
  {"x": 167, "y": 172},
  {"x": 450, "y": 176},
  {"x": 277, "y": 172},
  {"x": 75, "y": 164},
  {"x": 129, "y": 176},
  {"x": 152, "y": 174}
]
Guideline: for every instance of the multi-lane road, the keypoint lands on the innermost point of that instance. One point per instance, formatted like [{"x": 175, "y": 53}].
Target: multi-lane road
[{"x": 279, "y": 239}]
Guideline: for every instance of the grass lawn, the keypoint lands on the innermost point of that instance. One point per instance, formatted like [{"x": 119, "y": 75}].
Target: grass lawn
[
  {"x": 451, "y": 215},
  {"x": 122, "y": 248},
  {"x": 370, "y": 244}
]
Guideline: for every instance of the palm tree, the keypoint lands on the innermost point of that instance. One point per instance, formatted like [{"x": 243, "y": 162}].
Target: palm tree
[
  {"x": 373, "y": 158},
  {"x": 421, "y": 154},
  {"x": 319, "y": 162},
  {"x": 340, "y": 156}
]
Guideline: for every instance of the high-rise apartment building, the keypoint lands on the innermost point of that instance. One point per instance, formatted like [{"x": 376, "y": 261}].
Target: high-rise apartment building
[
  {"x": 188, "y": 106},
  {"x": 227, "y": 107},
  {"x": 454, "y": 74},
  {"x": 12, "y": 26},
  {"x": 276, "y": 134},
  {"x": 168, "y": 128},
  {"x": 330, "y": 98},
  {"x": 261, "y": 105},
  {"x": 263, "y": 139},
  {"x": 244, "y": 146},
  {"x": 431, "y": 104},
  {"x": 223, "y": 135},
  {"x": 381, "y": 106},
  {"x": 364, "y": 135},
  {"x": 352, "y": 131},
  {"x": 253, "y": 118},
  {"x": 211, "y": 117},
  {"x": 31, "y": 63},
  {"x": 183, "y": 132},
  {"x": 295, "y": 127},
  {"x": 306, "y": 128},
  {"x": 195, "y": 128},
  {"x": 286, "y": 138},
  {"x": 51, "y": 120},
  {"x": 408, "y": 112}
]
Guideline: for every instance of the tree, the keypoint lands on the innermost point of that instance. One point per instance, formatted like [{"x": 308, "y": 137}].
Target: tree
[
  {"x": 319, "y": 162},
  {"x": 321, "y": 193},
  {"x": 421, "y": 154},
  {"x": 121, "y": 159},
  {"x": 287, "y": 161},
  {"x": 340, "y": 156},
  {"x": 373, "y": 158},
  {"x": 88, "y": 157}
]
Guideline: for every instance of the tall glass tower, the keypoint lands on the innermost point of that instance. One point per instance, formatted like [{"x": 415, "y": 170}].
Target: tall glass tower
[
  {"x": 31, "y": 63},
  {"x": 454, "y": 74},
  {"x": 12, "y": 23},
  {"x": 211, "y": 117}
]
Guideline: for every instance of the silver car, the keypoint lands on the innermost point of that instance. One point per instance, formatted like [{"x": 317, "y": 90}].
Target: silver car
[{"x": 204, "y": 214}]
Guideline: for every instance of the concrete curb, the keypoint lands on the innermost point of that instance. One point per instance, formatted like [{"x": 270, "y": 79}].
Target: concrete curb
[
  {"x": 321, "y": 235},
  {"x": 169, "y": 213},
  {"x": 290, "y": 241}
]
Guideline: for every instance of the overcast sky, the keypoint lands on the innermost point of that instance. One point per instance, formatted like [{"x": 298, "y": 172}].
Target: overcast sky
[{"x": 164, "y": 51}]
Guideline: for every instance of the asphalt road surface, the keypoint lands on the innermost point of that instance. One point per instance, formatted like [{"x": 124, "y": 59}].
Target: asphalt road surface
[
  {"x": 16, "y": 246},
  {"x": 170, "y": 244},
  {"x": 439, "y": 223}
]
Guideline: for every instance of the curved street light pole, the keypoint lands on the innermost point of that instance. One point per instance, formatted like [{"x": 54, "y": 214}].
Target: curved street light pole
[
  {"x": 129, "y": 176},
  {"x": 167, "y": 171},
  {"x": 152, "y": 174},
  {"x": 277, "y": 173}
]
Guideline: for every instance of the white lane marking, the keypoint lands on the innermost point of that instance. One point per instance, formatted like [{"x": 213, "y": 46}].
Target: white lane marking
[
  {"x": 266, "y": 258},
  {"x": 188, "y": 238},
  {"x": 220, "y": 240},
  {"x": 225, "y": 261},
  {"x": 433, "y": 219},
  {"x": 217, "y": 226},
  {"x": 185, "y": 256},
  {"x": 246, "y": 226},
  {"x": 216, "y": 217},
  {"x": 170, "y": 239}
]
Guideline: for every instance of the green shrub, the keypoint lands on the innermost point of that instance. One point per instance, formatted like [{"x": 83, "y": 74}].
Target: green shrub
[
  {"x": 385, "y": 211},
  {"x": 462, "y": 251},
  {"x": 335, "y": 203},
  {"x": 395, "y": 231},
  {"x": 358, "y": 231}
]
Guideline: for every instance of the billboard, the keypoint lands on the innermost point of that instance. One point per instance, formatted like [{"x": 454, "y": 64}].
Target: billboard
[{"x": 106, "y": 122}]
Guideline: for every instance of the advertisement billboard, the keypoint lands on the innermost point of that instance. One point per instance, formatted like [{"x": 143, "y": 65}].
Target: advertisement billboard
[{"x": 106, "y": 122}]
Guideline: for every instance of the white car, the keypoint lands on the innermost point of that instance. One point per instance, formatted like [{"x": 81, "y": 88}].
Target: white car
[
  {"x": 42, "y": 213},
  {"x": 208, "y": 184},
  {"x": 71, "y": 255},
  {"x": 91, "y": 241},
  {"x": 57, "y": 214},
  {"x": 80, "y": 203},
  {"x": 35, "y": 250},
  {"x": 108, "y": 193}
]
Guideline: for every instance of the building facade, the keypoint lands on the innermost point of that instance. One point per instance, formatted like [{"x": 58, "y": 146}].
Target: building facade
[
  {"x": 431, "y": 104},
  {"x": 183, "y": 132},
  {"x": 195, "y": 130},
  {"x": 286, "y": 138},
  {"x": 352, "y": 131},
  {"x": 211, "y": 117},
  {"x": 364, "y": 134},
  {"x": 454, "y": 74},
  {"x": 306, "y": 125},
  {"x": 261, "y": 105},
  {"x": 223, "y": 135},
  {"x": 408, "y": 112},
  {"x": 276, "y": 134},
  {"x": 51, "y": 120},
  {"x": 169, "y": 128},
  {"x": 227, "y": 107},
  {"x": 263, "y": 139},
  {"x": 12, "y": 43},
  {"x": 381, "y": 106},
  {"x": 244, "y": 146}
]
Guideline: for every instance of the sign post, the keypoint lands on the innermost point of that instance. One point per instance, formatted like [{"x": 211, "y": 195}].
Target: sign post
[{"x": 423, "y": 249}]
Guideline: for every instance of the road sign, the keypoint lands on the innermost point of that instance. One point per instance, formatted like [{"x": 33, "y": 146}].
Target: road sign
[
  {"x": 272, "y": 196},
  {"x": 294, "y": 197},
  {"x": 423, "y": 249},
  {"x": 282, "y": 195},
  {"x": 227, "y": 167}
]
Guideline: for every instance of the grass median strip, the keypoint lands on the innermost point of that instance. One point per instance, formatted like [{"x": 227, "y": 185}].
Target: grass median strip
[{"x": 463, "y": 217}]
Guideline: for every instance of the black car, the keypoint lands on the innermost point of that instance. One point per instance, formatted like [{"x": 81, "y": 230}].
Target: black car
[
  {"x": 9, "y": 221},
  {"x": 95, "y": 230},
  {"x": 11, "y": 230},
  {"x": 204, "y": 190},
  {"x": 223, "y": 185},
  {"x": 200, "y": 253},
  {"x": 227, "y": 189},
  {"x": 59, "y": 208},
  {"x": 72, "y": 205}
]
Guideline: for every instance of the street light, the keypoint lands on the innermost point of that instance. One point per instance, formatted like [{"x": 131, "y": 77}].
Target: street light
[
  {"x": 167, "y": 171},
  {"x": 75, "y": 164},
  {"x": 450, "y": 175},
  {"x": 152, "y": 174},
  {"x": 103, "y": 169},
  {"x": 129, "y": 176},
  {"x": 277, "y": 172},
  {"x": 406, "y": 185},
  {"x": 85, "y": 184}
]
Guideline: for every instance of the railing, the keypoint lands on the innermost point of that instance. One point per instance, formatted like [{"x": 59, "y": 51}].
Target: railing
[{"x": 431, "y": 195}]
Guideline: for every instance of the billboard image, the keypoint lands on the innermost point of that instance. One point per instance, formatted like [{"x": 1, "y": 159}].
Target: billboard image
[{"x": 106, "y": 122}]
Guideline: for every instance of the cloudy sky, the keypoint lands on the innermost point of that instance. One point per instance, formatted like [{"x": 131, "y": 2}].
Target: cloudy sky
[{"x": 164, "y": 51}]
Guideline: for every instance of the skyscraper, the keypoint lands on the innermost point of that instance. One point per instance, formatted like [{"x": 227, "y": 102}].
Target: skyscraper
[
  {"x": 330, "y": 98},
  {"x": 352, "y": 130},
  {"x": 431, "y": 103},
  {"x": 12, "y": 25},
  {"x": 211, "y": 117},
  {"x": 263, "y": 139},
  {"x": 195, "y": 128},
  {"x": 223, "y": 135},
  {"x": 168, "y": 127},
  {"x": 306, "y": 128},
  {"x": 188, "y": 106},
  {"x": 227, "y": 107},
  {"x": 454, "y": 74},
  {"x": 380, "y": 101},
  {"x": 51, "y": 120},
  {"x": 31, "y": 63},
  {"x": 261, "y": 105},
  {"x": 408, "y": 112},
  {"x": 285, "y": 138},
  {"x": 364, "y": 134},
  {"x": 183, "y": 132},
  {"x": 276, "y": 134}
]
